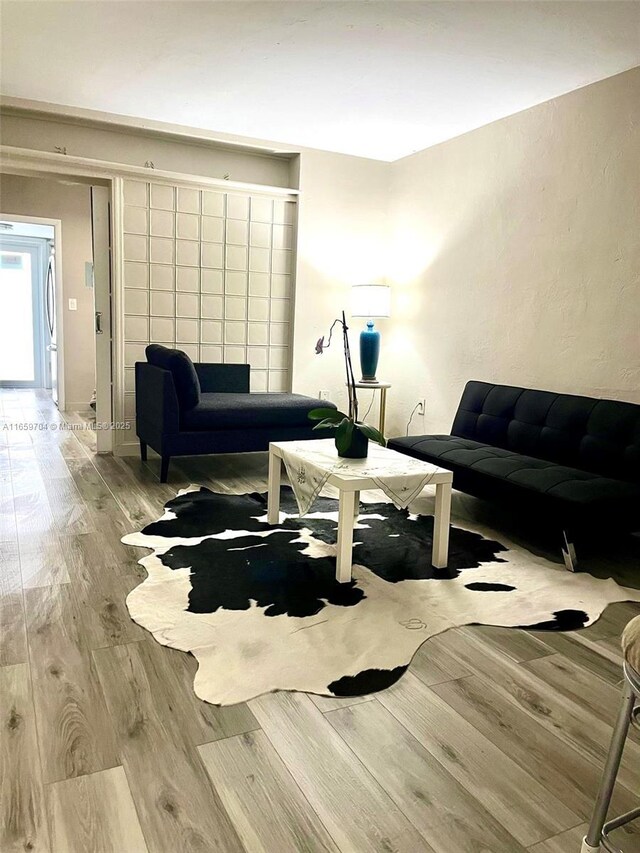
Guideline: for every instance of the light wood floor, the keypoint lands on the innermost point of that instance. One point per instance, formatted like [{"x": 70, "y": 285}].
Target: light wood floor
[{"x": 492, "y": 742}]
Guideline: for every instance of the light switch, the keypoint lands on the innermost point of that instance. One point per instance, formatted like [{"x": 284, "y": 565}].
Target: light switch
[{"x": 73, "y": 305}]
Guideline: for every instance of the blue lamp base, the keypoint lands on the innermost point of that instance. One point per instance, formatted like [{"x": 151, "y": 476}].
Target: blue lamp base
[{"x": 369, "y": 352}]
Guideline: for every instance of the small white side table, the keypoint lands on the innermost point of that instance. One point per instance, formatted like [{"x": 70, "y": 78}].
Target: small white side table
[{"x": 382, "y": 388}]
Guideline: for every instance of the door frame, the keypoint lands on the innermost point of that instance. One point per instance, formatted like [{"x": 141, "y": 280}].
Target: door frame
[{"x": 57, "y": 242}]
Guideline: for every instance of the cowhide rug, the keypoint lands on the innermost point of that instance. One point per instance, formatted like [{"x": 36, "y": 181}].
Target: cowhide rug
[{"x": 260, "y": 608}]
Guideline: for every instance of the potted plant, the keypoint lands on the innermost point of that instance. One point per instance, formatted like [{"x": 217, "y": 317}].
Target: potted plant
[{"x": 351, "y": 436}]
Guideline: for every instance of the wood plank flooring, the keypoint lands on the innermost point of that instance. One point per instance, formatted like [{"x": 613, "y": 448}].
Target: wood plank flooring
[{"x": 492, "y": 743}]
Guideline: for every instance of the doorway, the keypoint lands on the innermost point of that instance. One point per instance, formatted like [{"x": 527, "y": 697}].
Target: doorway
[{"x": 27, "y": 334}]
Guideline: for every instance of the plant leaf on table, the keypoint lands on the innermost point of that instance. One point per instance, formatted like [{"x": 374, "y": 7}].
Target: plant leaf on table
[
  {"x": 372, "y": 433},
  {"x": 325, "y": 414},
  {"x": 344, "y": 434}
]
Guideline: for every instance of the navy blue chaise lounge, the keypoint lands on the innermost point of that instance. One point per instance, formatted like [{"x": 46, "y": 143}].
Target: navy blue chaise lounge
[{"x": 187, "y": 409}]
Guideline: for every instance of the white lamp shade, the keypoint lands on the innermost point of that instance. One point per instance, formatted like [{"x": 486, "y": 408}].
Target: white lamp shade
[{"x": 370, "y": 300}]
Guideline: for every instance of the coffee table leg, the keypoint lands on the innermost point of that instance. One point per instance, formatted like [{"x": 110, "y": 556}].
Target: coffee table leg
[
  {"x": 356, "y": 505},
  {"x": 273, "y": 498},
  {"x": 345, "y": 536},
  {"x": 440, "y": 553}
]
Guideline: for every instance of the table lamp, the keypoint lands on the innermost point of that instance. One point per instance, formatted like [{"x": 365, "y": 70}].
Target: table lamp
[{"x": 370, "y": 301}]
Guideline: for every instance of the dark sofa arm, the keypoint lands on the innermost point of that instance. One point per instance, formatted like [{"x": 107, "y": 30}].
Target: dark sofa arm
[
  {"x": 157, "y": 409},
  {"x": 223, "y": 378}
]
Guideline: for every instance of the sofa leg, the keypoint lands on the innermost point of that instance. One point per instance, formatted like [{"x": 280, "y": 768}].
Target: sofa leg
[
  {"x": 164, "y": 469},
  {"x": 143, "y": 450},
  {"x": 569, "y": 553}
]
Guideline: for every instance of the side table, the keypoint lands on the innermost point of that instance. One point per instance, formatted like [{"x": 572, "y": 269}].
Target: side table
[{"x": 382, "y": 387}]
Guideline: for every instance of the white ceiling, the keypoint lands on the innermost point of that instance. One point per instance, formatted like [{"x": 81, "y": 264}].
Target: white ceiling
[{"x": 376, "y": 79}]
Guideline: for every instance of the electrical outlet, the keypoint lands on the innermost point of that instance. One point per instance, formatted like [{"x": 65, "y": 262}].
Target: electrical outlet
[
  {"x": 324, "y": 395},
  {"x": 421, "y": 406}
]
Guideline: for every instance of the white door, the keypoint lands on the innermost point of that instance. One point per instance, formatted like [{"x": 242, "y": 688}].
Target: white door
[{"x": 101, "y": 231}]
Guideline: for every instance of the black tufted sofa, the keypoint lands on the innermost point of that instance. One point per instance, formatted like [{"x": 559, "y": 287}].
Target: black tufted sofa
[{"x": 574, "y": 460}]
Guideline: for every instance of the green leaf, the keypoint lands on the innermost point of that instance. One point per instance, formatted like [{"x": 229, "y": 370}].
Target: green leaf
[
  {"x": 325, "y": 413},
  {"x": 372, "y": 433},
  {"x": 344, "y": 434},
  {"x": 325, "y": 424}
]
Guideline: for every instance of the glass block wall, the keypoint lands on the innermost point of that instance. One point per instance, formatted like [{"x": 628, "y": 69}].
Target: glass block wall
[{"x": 211, "y": 273}]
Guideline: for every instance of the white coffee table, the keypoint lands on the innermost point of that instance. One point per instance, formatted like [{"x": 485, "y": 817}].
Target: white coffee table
[{"x": 354, "y": 476}]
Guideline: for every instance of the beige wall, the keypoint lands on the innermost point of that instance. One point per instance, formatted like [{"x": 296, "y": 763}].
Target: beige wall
[
  {"x": 72, "y": 205},
  {"x": 516, "y": 256},
  {"x": 135, "y": 148},
  {"x": 342, "y": 228}
]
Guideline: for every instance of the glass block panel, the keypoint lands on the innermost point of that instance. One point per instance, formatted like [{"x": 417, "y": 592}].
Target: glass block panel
[
  {"x": 135, "y": 220},
  {"x": 281, "y": 286},
  {"x": 135, "y": 248},
  {"x": 213, "y": 203},
  {"x": 162, "y": 277},
  {"x": 188, "y": 200},
  {"x": 129, "y": 380},
  {"x": 281, "y": 261},
  {"x": 259, "y": 380},
  {"x": 211, "y": 332},
  {"x": 235, "y": 308},
  {"x": 212, "y": 307},
  {"x": 280, "y": 310},
  {"x": 236, "y": 283},
  {"x": 187, "y": 304},
  {"x": 133, "y": 353},
  {"x": 212, "y": 230},
  {"x": 258, "y": 333},
  {"x": 260, "y": 235},
  {"x": 236, "y": 258},
  {"x": 235, "y": 332},
  {"x": 191, "y": 350},
  {"x": 211, "y": 355},
  {"x": 162, "y": 223},
  {"x": 284, "y": 212},
  {"x": 279, "y": 358},
  {"x": 237, "y": 232},
  {"x": 278, "y": 380},
  {"x": 259, "y": 284},
  {"x": 258, "y": 357},
  {"x": 237, "y": 207},
  {"x": 136, "y": 275},
  {"x": 161, "y": 250},
  {"x": 136, "y": 328},
  {"x": 282, "y": 237},
  {"x": 162, "y": 197},
  {"x": 188, "y": 253},
  {"x": 163, "y": 304},
  {"x": 259, "y": 259},
  {"x": 187, "y": 279},
  {"x": 187, "y": 226},
  {"x": 212, "y": 255},
  {"x": 135, "y": 192},
  {"x": 261, "y": 209},
  {"x": 212, "y": 281},
  {"x": 258, "y": 309},
  {"x": 162, "y": 329},
  {"x": 235, "y": 355},
  {"x": 280, "y": 334},
  {"x": 187, "y": 331}
]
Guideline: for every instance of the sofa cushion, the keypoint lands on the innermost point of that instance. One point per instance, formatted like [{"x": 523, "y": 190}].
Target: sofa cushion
[
  {"x": 183, "y": 371},
  {"x": 528, "y": 472},
  {"x": 601, "y": 436},
  {"x": 232, "y": 411}
]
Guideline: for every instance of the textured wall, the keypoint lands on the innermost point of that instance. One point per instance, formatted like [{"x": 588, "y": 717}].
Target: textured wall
[
  {"x": 342, "y": 232},
  {"x": 71, "y": 204},
  {"x": 516, "y": 255}
]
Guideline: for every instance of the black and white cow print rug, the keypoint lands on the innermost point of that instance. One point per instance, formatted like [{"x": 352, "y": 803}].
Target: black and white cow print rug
[{"x": 261, "y": 610}]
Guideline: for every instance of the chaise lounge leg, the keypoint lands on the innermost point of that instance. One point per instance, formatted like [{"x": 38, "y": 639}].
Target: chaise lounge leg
[
  {"x": 143, "y": 450},
  {"x": 164, "y": 469},
  {"x": 569, "y": 553}
]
